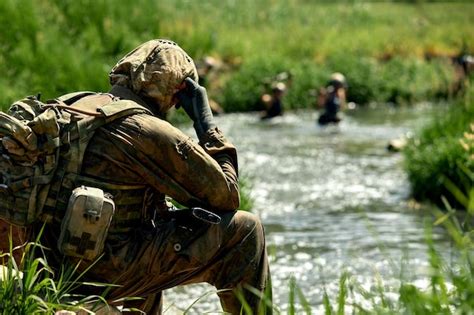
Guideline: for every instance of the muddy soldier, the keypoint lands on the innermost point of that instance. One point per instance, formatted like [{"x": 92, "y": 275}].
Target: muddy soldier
[{"x": 141, "y": 160}]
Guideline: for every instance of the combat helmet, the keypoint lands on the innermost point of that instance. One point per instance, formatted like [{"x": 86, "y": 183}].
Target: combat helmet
[{"x": 154, "y": 70}]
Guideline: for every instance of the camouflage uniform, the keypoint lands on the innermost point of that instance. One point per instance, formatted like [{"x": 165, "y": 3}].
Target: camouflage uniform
[{"x": 140, "y": 159}]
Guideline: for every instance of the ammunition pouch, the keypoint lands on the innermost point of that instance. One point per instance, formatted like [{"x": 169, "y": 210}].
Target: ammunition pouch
[{"x": 86, "y": 223}]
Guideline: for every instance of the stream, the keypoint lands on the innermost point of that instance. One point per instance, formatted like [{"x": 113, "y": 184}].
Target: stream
[{"x": 332, "y": 200}]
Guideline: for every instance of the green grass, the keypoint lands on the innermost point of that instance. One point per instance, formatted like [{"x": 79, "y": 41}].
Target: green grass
[
  {"x": 439, "y": 160},
  {"x": 31, "y": 286},
  {"x": 57, "y": 46}
]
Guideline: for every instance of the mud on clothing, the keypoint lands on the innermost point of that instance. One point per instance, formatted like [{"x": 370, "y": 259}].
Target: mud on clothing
[{"x": 140, "y": 159}]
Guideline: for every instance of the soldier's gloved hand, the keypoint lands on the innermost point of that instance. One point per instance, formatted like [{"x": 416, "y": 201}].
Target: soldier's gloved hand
[{"x": 194, "y": 100}]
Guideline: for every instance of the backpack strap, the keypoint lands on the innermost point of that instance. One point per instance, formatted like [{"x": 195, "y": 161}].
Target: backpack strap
[
  {"x": 76, "y": 138},
  {"x": 85, "y": 128}
]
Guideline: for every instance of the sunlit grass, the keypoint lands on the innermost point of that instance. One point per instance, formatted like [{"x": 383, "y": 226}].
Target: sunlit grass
[{"x": 71, "y": 45}]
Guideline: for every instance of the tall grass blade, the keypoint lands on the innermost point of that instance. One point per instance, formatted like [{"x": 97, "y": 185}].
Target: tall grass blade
[
  {"x": 206, "y": 294},
  {"x": 303, "y": 300},
  {"x": 456, "y": 191},
  {"x": 291, "y": 297},
  {"x": 328, "y": 310},
  {"x": 341, "y": 299}
]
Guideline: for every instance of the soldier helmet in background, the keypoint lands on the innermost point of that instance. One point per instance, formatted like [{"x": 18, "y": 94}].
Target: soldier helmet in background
[
  {"x": 154, "y": 70},
  {"x": 338, "y": 80},
  {"x": 278, "y": 87},
  {"x": 209, "y": 62}
]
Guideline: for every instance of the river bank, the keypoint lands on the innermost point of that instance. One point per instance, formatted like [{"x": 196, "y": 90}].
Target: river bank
[{"x": 439, "y": 159}]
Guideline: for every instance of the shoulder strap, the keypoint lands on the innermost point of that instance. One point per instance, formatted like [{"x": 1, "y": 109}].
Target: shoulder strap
[
  {"x": 71, "y": 98},
  {"x": 78, "y": 135},
  {"x": 85, "y": 128},
  {"x": 121, "y": 108}
]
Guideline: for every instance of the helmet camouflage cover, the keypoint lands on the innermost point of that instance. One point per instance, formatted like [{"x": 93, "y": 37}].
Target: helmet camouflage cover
[{"x": 155, "y": 68}]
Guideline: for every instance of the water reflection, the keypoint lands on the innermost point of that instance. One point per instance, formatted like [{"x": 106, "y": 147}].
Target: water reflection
[{"x": 331, "y": 200}]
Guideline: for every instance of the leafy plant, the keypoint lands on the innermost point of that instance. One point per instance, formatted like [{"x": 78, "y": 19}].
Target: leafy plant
[{"x": 31, "y": 286}]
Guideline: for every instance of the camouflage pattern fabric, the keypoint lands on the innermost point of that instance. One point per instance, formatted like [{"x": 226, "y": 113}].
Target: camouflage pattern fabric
[
  {"x": 154, "y": 69},
  {"x": 144, "y": 260},
  {"x": 140, "y": 160}
]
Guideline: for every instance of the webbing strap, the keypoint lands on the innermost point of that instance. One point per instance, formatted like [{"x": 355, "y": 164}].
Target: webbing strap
[
  {"x": 30, "y": 182},
  {"x": 87, "y": 126},
  {"x": 51, "y": 143},
  {"x": 122, "y": 108},
  {"x": 127, "y": 197},
  {"x": 78, "y": 137}
]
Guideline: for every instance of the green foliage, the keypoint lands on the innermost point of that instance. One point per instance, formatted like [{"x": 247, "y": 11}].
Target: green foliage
[
  {"x": 33, "y": 287},
  {"x": 242, "y": 91},
  {"x": 246, "y": 200},
  {"x": 399, "y": 80},
  {"x": 57, "y": 46},
  {"x": 437, "y": 157}
]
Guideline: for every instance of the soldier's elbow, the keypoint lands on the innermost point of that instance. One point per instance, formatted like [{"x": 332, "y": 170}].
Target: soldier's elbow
[{"x": 229, "y": 200}]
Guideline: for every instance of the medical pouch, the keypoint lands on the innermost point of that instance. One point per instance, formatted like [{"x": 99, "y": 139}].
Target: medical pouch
[{"x": 86, "y": 223}]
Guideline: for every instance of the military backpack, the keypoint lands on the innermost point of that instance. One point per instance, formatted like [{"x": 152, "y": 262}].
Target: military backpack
[{"x": 42, "y": 142}]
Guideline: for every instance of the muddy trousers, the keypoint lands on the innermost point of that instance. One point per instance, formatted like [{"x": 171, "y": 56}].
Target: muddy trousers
[{"x": 231, "y": 256}]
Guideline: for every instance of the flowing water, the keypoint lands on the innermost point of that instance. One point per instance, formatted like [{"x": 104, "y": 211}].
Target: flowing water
[{"x": 332, "y": 200}]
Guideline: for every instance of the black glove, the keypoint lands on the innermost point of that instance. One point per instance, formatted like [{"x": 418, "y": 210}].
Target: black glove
[{"x": 194, "y": 100}]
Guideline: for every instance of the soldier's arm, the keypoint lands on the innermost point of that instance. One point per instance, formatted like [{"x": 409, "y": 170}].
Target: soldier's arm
[{"x": 193, "y": 174}]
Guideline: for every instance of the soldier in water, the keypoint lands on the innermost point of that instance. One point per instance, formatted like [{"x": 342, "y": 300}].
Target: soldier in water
[{"x": 332, "y": 99}]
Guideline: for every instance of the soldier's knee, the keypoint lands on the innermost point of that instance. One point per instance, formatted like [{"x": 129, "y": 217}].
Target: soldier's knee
[{"x": 249, "y": 226}]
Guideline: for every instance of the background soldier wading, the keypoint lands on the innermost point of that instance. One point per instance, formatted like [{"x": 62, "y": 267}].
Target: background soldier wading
[{"x": 139, "y": 159}]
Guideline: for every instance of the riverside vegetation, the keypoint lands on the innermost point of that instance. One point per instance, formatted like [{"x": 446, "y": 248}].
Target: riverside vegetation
[
  {"x": 440, "y": 159},
  {"x": 399, "y": 53}
]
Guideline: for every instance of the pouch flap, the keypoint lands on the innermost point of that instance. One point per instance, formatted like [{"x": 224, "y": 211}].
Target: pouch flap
[{"x": 94, "y": 203}]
